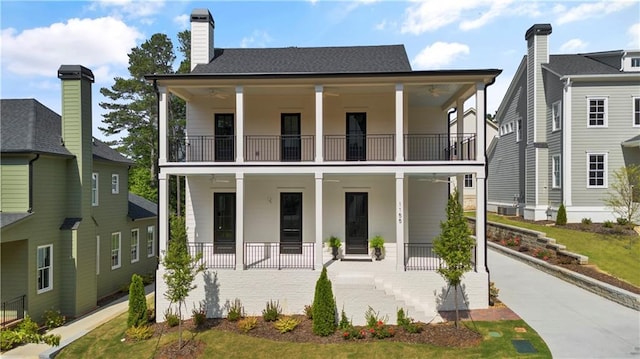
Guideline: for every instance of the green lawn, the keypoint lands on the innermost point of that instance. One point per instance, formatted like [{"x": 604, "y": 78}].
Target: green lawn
[
  {"x": 615, "y": 254},
  {"x": 104, "y": 342}
]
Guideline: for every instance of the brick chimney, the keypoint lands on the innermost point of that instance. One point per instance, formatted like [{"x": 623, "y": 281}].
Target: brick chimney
[{"x": 202, "y": 26}]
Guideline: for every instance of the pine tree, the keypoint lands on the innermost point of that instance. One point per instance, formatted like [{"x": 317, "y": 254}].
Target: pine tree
[
  {"x": 561, "y": 218},
  {"x": 324, "y": 307},
  {"x": 137, "y": 303}
]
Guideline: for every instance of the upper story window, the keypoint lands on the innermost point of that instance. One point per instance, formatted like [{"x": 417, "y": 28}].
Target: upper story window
[
  {"x": 115, "y": 183},
  {"x": 45, "y": 268},
  {"x": 506, "y": 128},
  {"x": 635, "y": 62},
  {"x": 636, "y": 112},
  {"x": 556, "y": 115},
  {"x": 596, "y": 170},
  {"x": 556, "y": 174},
  {"x": 150, "y": 241},
  {"x": 597, "y": 112},
  {"x": 115, "y": 250},
  {"x": 135, "y": 245},
  {"x": 519, "y": 130},
  {"x": 94, "y": 188}
]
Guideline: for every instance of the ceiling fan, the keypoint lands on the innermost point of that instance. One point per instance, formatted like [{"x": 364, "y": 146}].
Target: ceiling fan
[
  {"x": 433, "y": 179},
  {"x": 218, "y": 94},
  {"x": 436, "y": 91},
  {"x": 331, "y": 94}
]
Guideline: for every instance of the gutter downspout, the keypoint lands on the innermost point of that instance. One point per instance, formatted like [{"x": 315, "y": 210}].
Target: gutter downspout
[
  {"x": 155, "y": 282},
  {"x": 30, "y": 210},
  {"x": 486, "y": 184}
]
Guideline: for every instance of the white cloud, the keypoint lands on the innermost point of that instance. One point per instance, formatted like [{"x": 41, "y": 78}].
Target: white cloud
[
  {"x": 439, "y": 54},
  {"x": 496, "y": 9},
  {"x": 634, "y": 34},
  {"x": 589, "y": 10},
  {"x": 258, "y": 38},
  {"x": 96, "y": 43},
  {"x": 182, "y": 21},
  {"x": 130, "y": 8},
  {"x": 382, "y": 25},
  {"x": 574, "y": 45}
]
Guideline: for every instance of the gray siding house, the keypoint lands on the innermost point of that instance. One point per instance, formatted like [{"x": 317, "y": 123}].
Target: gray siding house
[
  {"x": 71, "y": 233},
  {"x": 566, "y": 124}
]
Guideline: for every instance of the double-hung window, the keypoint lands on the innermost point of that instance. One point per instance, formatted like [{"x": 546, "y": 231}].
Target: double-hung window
[
  {"x": 597, "y": 112},
  {"x": 150, "y": 241},
  {"x": 115, "y": 183},
  {"x": 94, "y": 189},
  {"x": 556, "y": 173},
  {"x": 135, "y": 245},
  {"x": 45, "y": 268},
  {"x": 115, "y": 250},
  {"x": 636, "y": 112},
  {"x": 596, "y": 170},
  {"x": 556, "y": 116}
]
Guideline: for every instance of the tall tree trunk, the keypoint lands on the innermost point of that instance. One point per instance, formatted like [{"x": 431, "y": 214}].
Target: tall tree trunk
[{"x": 455, "y": 298}]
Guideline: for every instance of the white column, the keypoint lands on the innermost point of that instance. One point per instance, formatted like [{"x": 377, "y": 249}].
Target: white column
[
  {"x": 163, "y": 110},
  {"x": 163, "y": 213},
  {"x": 319, "y": 124},
  {"x": 239, "y": 124},
  {"x": 319, "y": 226},
  {"x": 239, "y": 221},
  {"x": 481, "y": 115},
  {"x": 399, "y": 122},
  {"x": 480, "y": 222},
  {"x": 459, "y": 133},
  {"x": 400, "y": 218},
  {"x": 565, "y": 171}
]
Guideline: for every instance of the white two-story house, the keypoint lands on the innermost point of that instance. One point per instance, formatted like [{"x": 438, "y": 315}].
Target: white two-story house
[{"x": 286, "y": 147}]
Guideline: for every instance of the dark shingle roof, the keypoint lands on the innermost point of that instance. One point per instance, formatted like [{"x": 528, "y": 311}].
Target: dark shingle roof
[
  {"x": 350, "y": 59},
  {"x": 578, "y": 64},
  {"x": 141, "y": 208},
  {"x": 70, "y": 223},
  {"x": 11, "y": 218},
  {"x": 28, "y": 126}
]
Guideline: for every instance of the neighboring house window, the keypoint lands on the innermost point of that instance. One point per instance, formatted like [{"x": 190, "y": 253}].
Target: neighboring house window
[
  {"x": 468, "y": 181},
  {"x": 635, "y": 62},
  {"x": 597, "y": 170},
  {"x": 45, "y": 268},
  {"x": 597, "y": 112},
  {"x": 115, "y": 250},
  {"x": 556, "y": 115},
  {"x": 518, "y": 130},
  {"x": 556, "y": 172},
  {"x": 97, "y": 255},
  {"x": 94, "y": 188},
  {"x": 135, "y": 245},
  {"x": 115, "y": 183},
  {"x": 636, "y": 112},
  {"x": 150, "y": 241}
]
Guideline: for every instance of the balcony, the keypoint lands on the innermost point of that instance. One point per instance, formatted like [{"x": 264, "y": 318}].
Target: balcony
[
  {"x": 440, "y": 147},
  {"x": 359, "y": 148},
  {"x": 282, "y": 148}
]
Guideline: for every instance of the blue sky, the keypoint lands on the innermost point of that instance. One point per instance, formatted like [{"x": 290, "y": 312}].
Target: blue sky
[{"x": 37, "y": 37}]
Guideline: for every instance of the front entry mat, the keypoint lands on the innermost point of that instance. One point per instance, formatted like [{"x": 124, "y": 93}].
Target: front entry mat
[{"x": 523, "y": 346}]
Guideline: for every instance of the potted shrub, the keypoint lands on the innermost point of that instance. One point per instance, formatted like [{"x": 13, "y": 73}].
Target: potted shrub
[
  {"x": 377, "y": 243},
  {"x": 334, "y": 243}
]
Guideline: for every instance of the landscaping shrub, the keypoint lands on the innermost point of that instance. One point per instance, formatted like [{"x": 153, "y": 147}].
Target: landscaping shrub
[
  {"x": 26, "y": 332},
  {"x": 140, "y": 333},
  {"x": 171, "y": 318},
  {"x": 607, "y": 224},
  {"x": 308, "y": 311},
  {"x": 493, "y": 292},
  {"x": 236, "y": 311},
  {"x": 407, "y": 323},
  {"x": 272, "y": 312},
  {"x": 286, "y": 324},
  {"x": 354, "y": 333},
  {"x": 199, "y": 315},
  {"x": 381, "y": 330},
  {"x": 53, "y": 319},
  {"x": 324, "y": 307},
  {"x": 137, "y": 303},
  {"x": 372, "y": 317},
  {"x": 586, "y": 221},
  {"x": 344, "y": 321},
  {"x": 561, "y": 218},
  {"x": 622, "y": 221},
  {"x": 247, "y": 324}
]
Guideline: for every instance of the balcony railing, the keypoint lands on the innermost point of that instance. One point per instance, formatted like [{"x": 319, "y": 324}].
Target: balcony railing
[
  {"x": 439, "y": 147},
  {"x": 212, "y": 256},
  {"x": 202, "y": 149},
  {"x": 359, "y": 147},
  {"x": 279, "y": 255},
  {"x": 12, "y": 311},
  {"x": 282, "y": 148},
  {"x": 420, "y": 256}
]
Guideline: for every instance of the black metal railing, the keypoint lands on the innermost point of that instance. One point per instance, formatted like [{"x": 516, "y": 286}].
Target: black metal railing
[
  {"x": 202, "y": 149},
  {"x": 12, "y": 310},
  {"x": 439, "y": 147},
  {"x": 359, "y": 147},
  {"x": 218, "y": 257},
  {"x": 279, "y": 148},
  {"x": 420, "y": 256},
  {"x": 279, "y": 255}
]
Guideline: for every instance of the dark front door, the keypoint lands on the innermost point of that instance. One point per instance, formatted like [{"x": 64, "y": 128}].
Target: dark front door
[
  {"x": 224, "y": 137},
  {"x": 356, "y": 136},
  {"x": 357, "y": 222},
  {"x": 224, "y": 221},
  {"x": 290, "y": 131},
  {"x": 291, "y": 223}
]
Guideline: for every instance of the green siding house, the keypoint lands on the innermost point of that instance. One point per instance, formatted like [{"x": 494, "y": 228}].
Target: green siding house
[{"x": 71, "y": 233}]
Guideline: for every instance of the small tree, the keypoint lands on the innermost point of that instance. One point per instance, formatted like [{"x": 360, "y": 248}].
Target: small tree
[
  {"x": 137, "y": 303},
  {"x": 624, "y": 195},
  {"x": 454, "y": 246},
  {"x": 561, "y": 218},
  {"x": 324, "y": 307},
  {"x": 180, "y": 268}
]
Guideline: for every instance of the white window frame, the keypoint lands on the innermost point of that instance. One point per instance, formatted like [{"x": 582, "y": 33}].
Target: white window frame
[
  {"x": 95, "y": 189},
  {"x": 518, "y": 130},
  {"x": 151, "y": 243},
  {"x": 556, "y": 172},
  {"x": 605, "y": 169},
  {"x": 135, "y": 245},
  {"x": 605, "y": 104},
  {"x": 97, "y": 255},
  {"x": 115, "y": 183},
  {"x": 116, "y": 252},
  {"x": 556, "y": 116},
  {"x": 47, "y": 269},
  {"x": 635, "y": 62},
  {"x": 468, "y": 177},
  {"x": 635, "y": 117}
]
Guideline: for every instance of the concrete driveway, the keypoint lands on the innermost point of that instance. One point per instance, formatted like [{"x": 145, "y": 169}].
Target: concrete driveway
[{"x": 573, "y": 322}]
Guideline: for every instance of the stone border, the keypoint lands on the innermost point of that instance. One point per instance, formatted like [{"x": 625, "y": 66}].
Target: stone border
[{"x": 615, "y": 294}]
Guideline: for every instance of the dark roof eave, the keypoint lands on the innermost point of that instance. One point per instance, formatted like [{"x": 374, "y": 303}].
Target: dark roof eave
[
  {"x": 124, "y": 162},
  {"x": 28, "y": 152}
]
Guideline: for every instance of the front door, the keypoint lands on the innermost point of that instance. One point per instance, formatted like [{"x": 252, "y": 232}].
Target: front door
[
  {"x": 356, "y": 136},
  {"x": 224, "y": 221},
  {"x": 290, "y": 149},
  {"x": 224, "y": 137},
  {"x": 291, "y": 223},
  {"x": 357, "y": 222}
]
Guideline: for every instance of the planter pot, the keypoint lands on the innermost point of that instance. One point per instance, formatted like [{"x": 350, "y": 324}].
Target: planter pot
[
  {"x": 334, "y": 252},
  {"x": 378, "y": 252}
]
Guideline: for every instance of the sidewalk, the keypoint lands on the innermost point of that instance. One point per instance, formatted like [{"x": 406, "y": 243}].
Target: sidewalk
[{"x": 73, "y": 330}]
